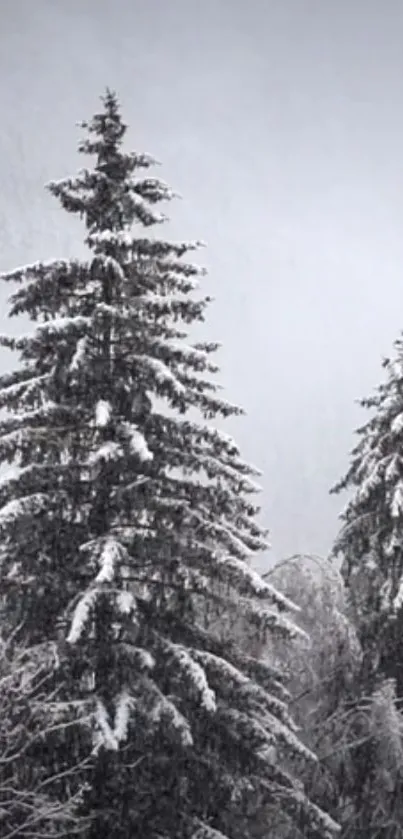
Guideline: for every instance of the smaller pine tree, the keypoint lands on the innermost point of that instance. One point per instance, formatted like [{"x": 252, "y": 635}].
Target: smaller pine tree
[{"x": 370, "y": 542}]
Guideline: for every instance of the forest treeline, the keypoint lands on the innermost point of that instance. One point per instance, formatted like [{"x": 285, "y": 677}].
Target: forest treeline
[{"x": 153, "y": 685}]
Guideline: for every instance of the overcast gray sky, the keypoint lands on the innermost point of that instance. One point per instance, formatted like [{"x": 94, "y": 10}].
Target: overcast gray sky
[{"x": 281, "y": 124}]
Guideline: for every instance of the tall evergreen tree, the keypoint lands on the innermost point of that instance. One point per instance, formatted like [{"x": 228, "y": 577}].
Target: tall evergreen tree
[
  {"x": 126, "y": 523},
  {"x": 370, "y": 541}
]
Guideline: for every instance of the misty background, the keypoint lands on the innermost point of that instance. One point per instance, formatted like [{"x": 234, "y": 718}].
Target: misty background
[{"x": 280, "y": 122}]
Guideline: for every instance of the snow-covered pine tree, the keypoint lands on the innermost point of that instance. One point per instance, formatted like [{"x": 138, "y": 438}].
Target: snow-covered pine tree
[
  {"x": 370, "y": 541},
  {"x": 125, "y": 520}
]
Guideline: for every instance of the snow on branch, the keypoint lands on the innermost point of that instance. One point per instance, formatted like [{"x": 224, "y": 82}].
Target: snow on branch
[
  {"x": 139, "y": 658},
  {"x": 119, "y": 238},
  {"x": 107, "y": 735},
  {"x": 398, "y": 600},
  {"x": 153, "y": 190},
  {"x": 294, "y": 800},
  {"x": 265, "y": 674},
  {"x": 142, "y": 247},
  {"x": 229, "y": 682},
  {"x": 244, "y": 728},
  {"x": 103, "y": 413},
  {"x": 397, "y": 501},
  {"x": 218, "y": 466},
  {"x": 181, "y": 353},
  {"x": 13, "y": 443},
  {"x": 222, "y": 534},
  {"x": 287, "y": 737},
  {"x": 51, "y": 329},
  {"x": 205, "y": 831},
  {"x": 79, "y": 354},
  {"x": 125, "y": 602},
  {"x": 164, "y": 711},
  {"x": 56, "y": 326},
  {"x": 248, "y": 581},
  {"x": 269, "y": 620},
  {"x": 162, "y": 373},
  {"x": 108, "y": 451},
  {"x": 110, "y": 265},
  {"x": 82, "y": 614},
  {"x": 124, "y": 705},
  {"x": 108, "y": 553},
  {"x": 396, "y": 425},
  {"x": 29, "y": 505},
  {"x": 193, "y": 673},
  {"x": 22, "y": 391},
  {"x": 37, "y": 269},
  {"x": 138, "y": 443},
  {"x": 141, "y": 160}
]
